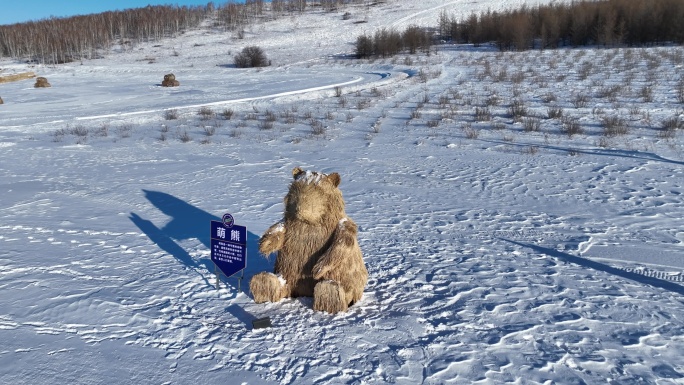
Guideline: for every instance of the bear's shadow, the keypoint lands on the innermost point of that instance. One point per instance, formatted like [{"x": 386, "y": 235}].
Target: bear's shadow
[{"x": 188, "y": 221}]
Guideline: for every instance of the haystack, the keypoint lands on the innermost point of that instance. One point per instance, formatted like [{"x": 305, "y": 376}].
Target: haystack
[
  {"x": 170, "y": 81},
  {"x": 16, "y": 77},
  {"x": 41, "y": 82}
]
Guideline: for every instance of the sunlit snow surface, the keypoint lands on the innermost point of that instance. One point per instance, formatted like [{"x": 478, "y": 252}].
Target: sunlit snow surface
[{"x": 513, "y": 257}]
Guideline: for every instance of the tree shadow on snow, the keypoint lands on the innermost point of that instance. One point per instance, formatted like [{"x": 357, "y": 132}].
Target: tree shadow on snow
[
  {"x": 187, "y": 222},
  {"x": 659, "y": 283}
]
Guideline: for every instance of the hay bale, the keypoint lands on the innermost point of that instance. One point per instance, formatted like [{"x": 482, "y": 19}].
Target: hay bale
[
  {"x": 16, "y": 77},
  {"x": 41, "y": 82},
  {"x": 170, "y": 81}
]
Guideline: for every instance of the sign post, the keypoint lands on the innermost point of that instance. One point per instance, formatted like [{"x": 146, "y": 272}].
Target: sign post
[{"x": 228, "y": 248}]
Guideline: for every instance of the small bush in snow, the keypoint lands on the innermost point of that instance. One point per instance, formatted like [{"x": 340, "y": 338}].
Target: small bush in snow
[
  {"x": 554, "y": 112},
  {"x": 250, "y": 57},
  {"x": 171, "y": 114},
  {"x": 614, "y": 126},
  {"x": 205, "y": 113},
  {"x": 227, "y": 114}
]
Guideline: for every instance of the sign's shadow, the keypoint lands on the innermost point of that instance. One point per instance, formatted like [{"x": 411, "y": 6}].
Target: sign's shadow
[{"x": 187, "y": 222}]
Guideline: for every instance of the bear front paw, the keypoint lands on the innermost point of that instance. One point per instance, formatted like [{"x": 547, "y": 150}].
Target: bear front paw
[{"x": 266, "y": 287}]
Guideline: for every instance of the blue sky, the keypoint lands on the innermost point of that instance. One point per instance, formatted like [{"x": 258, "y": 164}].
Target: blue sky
[{"x": 17, "y": 11}]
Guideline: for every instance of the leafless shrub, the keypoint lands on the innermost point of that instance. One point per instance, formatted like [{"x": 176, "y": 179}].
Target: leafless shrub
[
  {"x": 501, "y": 75},
  {"x": 634, "y": 111},
  {"x": 530, "y": 150},
  {"x": 209, "y": 130},
  {"x": 162, "y": 137},
  {"x": 317, "y": 127},
  {"x": 266, "y": 125},
  {"x": 518, "y": 77},
  {"x": 580, "y": 101},
  {"x": 79, "y": 130},
  {"x": 103, "y": 130},
  {"x": 444, "y": 101},
  {"x": 470, "y": 132},
  {"x": 585, "y": 70},
  {"x": 235, "y": 133},
  {"x": 498, "y": 126},
  {"x": 423, "y": 76},
  {"x": 603, "y": 142},
  {"x": 227, "y": 113},
  {"x": 362, "y": 104},
  {"x": 125, "y": 130},
  {"x": 251, "y": 56},
  {"x": 531, "y": 124},
  {"x": 570, "y": 126},
  {"x": 164, "y": 128},
  {"x": 666, "y": 134},
  {"x": 610, "y": 92},
  {"x": 680, "y": 91},
  {"x": 184, "y": 137},
  {"x": 482, "y": 114},
  {"x": 672, "y": 123},
  {"x": 433, "y": 123},
  {"x": 416, "y": 114},
  {"x": 646, "y": 93},
  {"x": 308, "y": 115},
  {"x": 270, "y": 116},
  {"x": 329, "y": 115},
  {"x": 549, "y": 98},
  {"x": 342, "y": 101},
  {"x": 251, "y": 116},
  {"x": 171, "y": 114},
  {"x": 554, "y": 112},
  {"x": 205, "y": 113},
  {"x": 493, "y": 100},
  {"x": 517, "y": 110},
  {"x": 58, "y": 135},
  {"x": 289, "y": 117},
  {"x": 614, "y": 126},
  {"x": 338, "y": 91},
  {"x": 350, "y": 117}
]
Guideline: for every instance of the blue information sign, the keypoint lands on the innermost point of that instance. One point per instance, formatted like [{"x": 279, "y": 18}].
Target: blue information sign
[{"x": 228, "y": 246}]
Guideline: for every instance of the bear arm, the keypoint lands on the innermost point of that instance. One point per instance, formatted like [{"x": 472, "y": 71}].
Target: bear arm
[
  {"x": 333, "y": 259},
  {"x": 273, "y": 239}
]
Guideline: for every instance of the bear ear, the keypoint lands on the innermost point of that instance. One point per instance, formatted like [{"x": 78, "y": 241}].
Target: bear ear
[
  {"x": 296, "y": 172},
  {"x": 335, "y": 179}
]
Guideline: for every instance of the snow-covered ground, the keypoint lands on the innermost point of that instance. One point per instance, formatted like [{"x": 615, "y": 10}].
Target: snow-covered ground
[{"x": 499, "y": 250}]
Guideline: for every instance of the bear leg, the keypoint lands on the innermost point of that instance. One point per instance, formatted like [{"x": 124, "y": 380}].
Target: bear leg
[
  {"x": 329, "y": 296},
  {"x": 266, "y": 287}
]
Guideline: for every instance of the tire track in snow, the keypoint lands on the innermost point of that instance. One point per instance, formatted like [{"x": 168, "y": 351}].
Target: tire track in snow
[
  {"x": 404, "y": 19},
  {"x": 232, "y": 101}
]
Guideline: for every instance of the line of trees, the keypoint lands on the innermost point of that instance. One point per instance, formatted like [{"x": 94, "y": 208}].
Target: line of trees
[
  {"x": 61, "y": 40},
  {"x": 606, "y": 23},
  {"x": 389, "y": 42}
]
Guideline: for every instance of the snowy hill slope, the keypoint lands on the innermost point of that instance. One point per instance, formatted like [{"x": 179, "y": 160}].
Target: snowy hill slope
[{"x": 499, "y": 250}]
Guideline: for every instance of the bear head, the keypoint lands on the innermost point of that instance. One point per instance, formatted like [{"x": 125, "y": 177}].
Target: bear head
[{"x": 314, "y": 198}]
